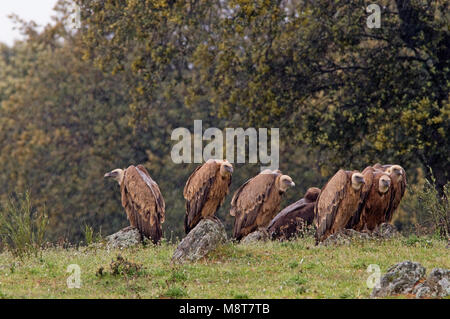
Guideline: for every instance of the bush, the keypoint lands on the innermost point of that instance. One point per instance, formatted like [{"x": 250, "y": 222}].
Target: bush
[
  {"x": 436, "y": 207},
  {"x": 90, "y": 236},
  {"x": 22, "y": 228}
]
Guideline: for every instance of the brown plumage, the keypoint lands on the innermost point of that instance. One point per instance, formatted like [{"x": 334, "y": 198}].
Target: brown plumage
[
  {"x": 398, "y": 186},
  {"x": 205, "y": 191},
  {"x": 142, "y": 200},
  {"x": 257, "y": 201},
  {"x": 338, "y": 201},
  {"x": 292, "y": 219},
  {"x": 376, "y": 204}
]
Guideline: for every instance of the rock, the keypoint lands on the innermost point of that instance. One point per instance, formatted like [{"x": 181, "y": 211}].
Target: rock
[
  {"x": 205, "y": 237},
  {"x": 126, "y": 237},
  {"x": 386, "y": 231},
  {"x": 344, "y": 237},
  {"x": 437, "y": 284},
  {"x": 422, "y": 291},
  {"x": 256, "y": 236},
  {"x": 400, "y": 279}
]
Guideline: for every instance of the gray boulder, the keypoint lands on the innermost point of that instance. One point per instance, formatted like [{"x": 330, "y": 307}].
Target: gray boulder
[
  {"x": 259, "y": 235},
  {"x": 437, "y": 284},
  {"x": 205, "y": 237},
  {"x": 126, "y": 237},
  {"x": 399, "y": 279}
]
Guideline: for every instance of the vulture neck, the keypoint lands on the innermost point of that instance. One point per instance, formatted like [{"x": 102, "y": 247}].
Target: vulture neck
[{"x": 120, "y": 177}]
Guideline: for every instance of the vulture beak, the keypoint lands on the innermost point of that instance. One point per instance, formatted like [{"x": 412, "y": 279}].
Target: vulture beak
[
  {"x": 107, "y": 175},
  {"x": 292, "y": 184},
  {"x": 229, "y": 169}
]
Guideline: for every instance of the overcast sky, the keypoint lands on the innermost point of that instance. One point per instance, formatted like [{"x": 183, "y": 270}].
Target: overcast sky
[{"x": 38, "y": 10}]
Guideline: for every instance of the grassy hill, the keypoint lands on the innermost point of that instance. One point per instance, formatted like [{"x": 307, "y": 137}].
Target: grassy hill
[{"x": 295, "y": 269}]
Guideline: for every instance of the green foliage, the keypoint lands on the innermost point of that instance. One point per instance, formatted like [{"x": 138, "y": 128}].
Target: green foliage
[
  {"x": 414, "y": 240},
  {"x": 22, "y": 227},
  {"x": 175, "y": 292},
  {"x": 313, "y": 68}
]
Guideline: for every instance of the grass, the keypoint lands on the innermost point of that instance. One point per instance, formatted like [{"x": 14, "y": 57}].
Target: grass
[
  {"x": 22, "y": 228},
  {"x": 294, "y": 269}
]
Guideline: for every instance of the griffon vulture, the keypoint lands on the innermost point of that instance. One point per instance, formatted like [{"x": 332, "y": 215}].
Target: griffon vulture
[
  {"x": 376, "y": 204},
  {"x": 398, "y": 186},
  {"x": 142, "y": 200},
  {"x": 257, "y": 201},
  {"x": 292, "y": 219},
  {"x": 205, "y": 191},
  {"x": 339, "y": 200}
]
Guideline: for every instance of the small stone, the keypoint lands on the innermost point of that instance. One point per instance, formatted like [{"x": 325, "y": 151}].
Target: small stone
[
  {"x": 386, "y": 231},
  {"x": 126, "y": 237},
  {"x": 260, "y": 235},
  {"x": 438, "y": 282},
  {"x": 422, "y": 291}
]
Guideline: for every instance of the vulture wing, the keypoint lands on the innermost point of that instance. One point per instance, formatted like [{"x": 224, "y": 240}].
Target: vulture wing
[
  {"x": 291, "y": 209},
  {"x": 328, "y": 202},
  {"x": 286, "y": 223},
  {"x": 249, "y": 199},
  {"x": 197, "y": 191},
  {"x": 143, "y": 203},
  {"x": 161, "y": 205}
]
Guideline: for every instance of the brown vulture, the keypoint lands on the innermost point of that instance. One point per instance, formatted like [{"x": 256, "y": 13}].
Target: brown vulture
[
  {"x": 257, "y": 201},
  {"x": 398, "y": 186},
  {"x": 339, "y": 200},
  {"x": 205, "y": 191},
  {"x": 376, "y": 203},
  {"x": 292, "y": 219},
  {"x": 142, "y": 200}
]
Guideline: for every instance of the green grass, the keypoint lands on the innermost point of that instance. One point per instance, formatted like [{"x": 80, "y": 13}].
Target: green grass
[{"x": 294, "y": 269}]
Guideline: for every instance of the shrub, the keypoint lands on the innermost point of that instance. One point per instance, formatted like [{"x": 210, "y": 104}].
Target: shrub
[
  {"x": 122, "y": 266},
  {"x": 90, "y": 236},
  {"x": 436, "y": 206},
  {"x": 22, "y": 228}
]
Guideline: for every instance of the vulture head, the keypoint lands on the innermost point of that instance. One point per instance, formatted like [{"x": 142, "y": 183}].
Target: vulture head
[
  {"x": 395, "y": 170},
  {"x": 285, "y": 182},
  {"x": 116, "y": 174},
  {"x": 226, "y": 169},
  {"x": 357, "y": 181},
  {"x": 312, "y": 193},
  {"x": 383, "y": 184}
]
